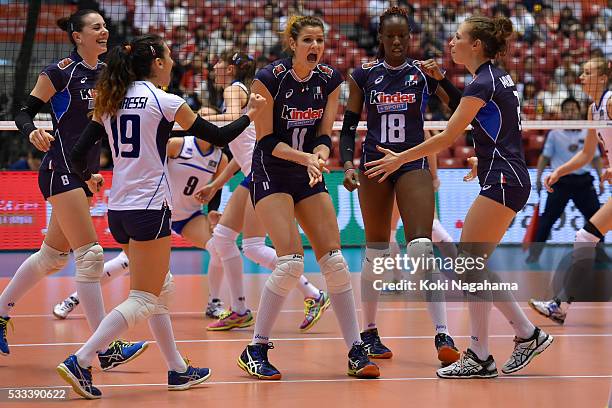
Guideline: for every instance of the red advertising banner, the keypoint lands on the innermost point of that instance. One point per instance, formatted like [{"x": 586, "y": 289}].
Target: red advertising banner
[{"x": 25, "y": 215}]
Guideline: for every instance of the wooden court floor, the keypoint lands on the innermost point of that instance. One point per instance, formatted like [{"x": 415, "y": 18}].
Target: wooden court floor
[{"x": 576, "y": 371}]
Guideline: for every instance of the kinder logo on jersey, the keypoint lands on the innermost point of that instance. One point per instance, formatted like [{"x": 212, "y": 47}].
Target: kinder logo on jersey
[
  {"x": 326, "y": 70},
  {"x": 391, "y": 102},
  {"x": 89, "y": 95},
  {"x": 296, "y": 117},
  {"x": 279, "y": 69}
]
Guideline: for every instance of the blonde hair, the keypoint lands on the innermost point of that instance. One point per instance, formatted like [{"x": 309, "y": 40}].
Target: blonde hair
[{"x": 295, "y": 24}]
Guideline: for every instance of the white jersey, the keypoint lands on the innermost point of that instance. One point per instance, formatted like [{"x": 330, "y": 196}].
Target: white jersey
[
  {"x": 242, "y": 147},
  {"x": 189, "y": 171},
  {"x": 601, "y": 113},
  {"x": 138, "y": 134}
]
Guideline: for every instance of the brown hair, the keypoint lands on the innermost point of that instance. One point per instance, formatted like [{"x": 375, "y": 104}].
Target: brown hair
[
  {"x": 244, "y": 63},
  {"x": 295, "y": 24},
  {"x": 74, "y": 23},
  {"x": 492, "y": 32},
  {"x": 125, "y": 64},
  {"x": 388, "y": 14}
]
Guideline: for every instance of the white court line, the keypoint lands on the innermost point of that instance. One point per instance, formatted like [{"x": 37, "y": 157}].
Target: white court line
[
  {"x": 298, "y": 339},
  {"x": 335, "y": 380},
  {"x": 382, "y": 309}
]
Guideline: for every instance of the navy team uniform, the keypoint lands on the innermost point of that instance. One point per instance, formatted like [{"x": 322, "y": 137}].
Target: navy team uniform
[
  {"x": 395, "y": 100},
  {"x": 502, "y": 171},
  {"x": 74, "y": 83},
  {"x": 298, "y": 110}
]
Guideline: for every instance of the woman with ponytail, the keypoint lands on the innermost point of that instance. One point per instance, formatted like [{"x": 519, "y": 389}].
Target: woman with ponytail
[
  {"x": 490, "y": 103},
  {"x": 137, "y": 117},
  {"x": 68, "y": 86}
]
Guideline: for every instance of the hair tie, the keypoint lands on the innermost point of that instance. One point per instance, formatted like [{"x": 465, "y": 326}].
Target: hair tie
[
  {"x": 153, "y": 51},
  {"x": 71, "y": 27},
  {"x": 128, "y": 48}
]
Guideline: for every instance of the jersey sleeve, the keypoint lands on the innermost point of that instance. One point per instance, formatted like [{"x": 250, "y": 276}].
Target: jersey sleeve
[
  {"x": 170, "y": 103},
  {"x": 335, "y": 81},
  {"x": 481, "y": 88},
  {"x": 268, "y": 76},
  {"x": 432, "y": 84},
  {"x": 57, "y": 73},
  {"x": 549, "y": 145},
  {"x": 359, "y": 76}
]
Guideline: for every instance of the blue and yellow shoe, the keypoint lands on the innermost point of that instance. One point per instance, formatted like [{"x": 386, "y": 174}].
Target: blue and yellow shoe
[
  {"x": 192, "y": 376},
  {"x": 447, "y": 352},
  {"x": 78, "y": 377},
  {"x": 359, "y": 365},
  {"x": 254, "y": 360},
  {"x": 314, "y": 309},
  {"x": 120, "y": 352},
  {"x": 373, "y": 345},
  {"x": 4, "y": 347}
]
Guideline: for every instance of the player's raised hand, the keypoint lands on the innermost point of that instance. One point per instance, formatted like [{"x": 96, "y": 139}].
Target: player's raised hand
[
  {"x": 431, "y": 68},
  {"x": 256, "y": 105}
]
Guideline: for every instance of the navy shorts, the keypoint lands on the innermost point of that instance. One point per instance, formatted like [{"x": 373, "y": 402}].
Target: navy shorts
[
  {"x": 177, "y": 226},
  {"x": 139, "y": 225},
  {"x": 405, "y": 168},
  {"x": 246, "y": 182},
  {"x": 513, "y": 197},
  {"x": 297, "y": 188},
  {"x": 52, "y": 182}
]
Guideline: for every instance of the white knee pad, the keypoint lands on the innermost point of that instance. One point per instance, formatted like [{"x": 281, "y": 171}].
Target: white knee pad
[
  {"x": 286, "y": 274},
  {"x": 374, "y": 265},
  {"x": 137, "y": 307},
  {"x": 89, "y": 261},
  {"x": 257, "y": 251},
  {"x": 584, "y": 236},
  {"x": 420, "y": 252},
  {"x": 438, "y": 233},
  {"x": 336, "y": 273},
  {"x": 165, "y": 296},
  {"x": 49, "y": 260},
  {"x": 225, "y": 242}
]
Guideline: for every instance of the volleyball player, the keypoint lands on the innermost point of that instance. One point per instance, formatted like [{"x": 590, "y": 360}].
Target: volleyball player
[
  {"x": 490, "y": 102},
  {"x": 595, "y": 79},
  {"x": 395, "y": 91},
  {"x": 138, "y": 117},
  {"x": 68, "y": 85},
  {"x": 234, "y": 73},
  {"x": 293, "y": 144}
]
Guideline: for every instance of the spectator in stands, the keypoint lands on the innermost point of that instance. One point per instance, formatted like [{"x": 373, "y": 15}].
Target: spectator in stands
[
  {"x": 150, "y": 15},
  {"x": 522, "y": 20},
  {"x": 566, "y": 21},
  {"x": 529, "y": 102},
  {"x": 551, "y": 98},
  {"x": 222, "y": 39},
  {"x": 561, "y": 145},
  {"x": 544, "y": 26},
  {"x": 574, "y": 89},
  {"x": 567, "y": 64},
  {"x": 263, "y": 23},
  {"x": 177, "y": 14},
  {"x": 201, "y": 38},
  {"x": 31, "y": 162}
]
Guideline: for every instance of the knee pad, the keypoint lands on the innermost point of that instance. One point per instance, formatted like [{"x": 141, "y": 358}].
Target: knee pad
[
  {"x": 225, "y": 242},
  {"x": 420, "y": 252},
  {"x": 286, "y": 274},
  {"x": 137, "y": 307},
  {"x": 89, "y": 261},
  {"x": 165, "y": 296},
  {"x": 257, "y": 251},
  {"x": 374, "y": 264},
  {"x": 49, "y": 260},
  {"x": 590, "y": 233},
  {"x": 438, "y": 233},
  {"x": 336, "y": 273}
]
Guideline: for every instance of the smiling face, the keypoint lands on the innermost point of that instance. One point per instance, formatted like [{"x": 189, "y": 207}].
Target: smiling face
[
  {"x": 395, "y": 37},
  {"x": 94, "y": 34},
  {"x": 462, "y": 46},
  {"x": 309, "y": 46}
]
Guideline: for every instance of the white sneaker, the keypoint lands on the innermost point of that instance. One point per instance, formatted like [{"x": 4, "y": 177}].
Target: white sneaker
[
  {"x": 469, "y": 366},
  {"x": 215, "y": 309},
  {"x": 550, "y": 309},
  {"x": 62, "y": 310},
  {"x": 526, "y": 349}
]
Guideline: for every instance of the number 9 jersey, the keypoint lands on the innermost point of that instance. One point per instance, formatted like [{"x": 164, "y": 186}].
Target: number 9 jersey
[
  {"x": 395, "y": 100},
  {"x": 138, "y": 134}
]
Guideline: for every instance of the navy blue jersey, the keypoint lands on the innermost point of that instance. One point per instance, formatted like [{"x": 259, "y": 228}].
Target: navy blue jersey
[
  {"x": 395, "y": 100},
  {"x": 74, "y": 83},
  {"x": 497, "y": 128},
  {"x": 298, "y": 108}
]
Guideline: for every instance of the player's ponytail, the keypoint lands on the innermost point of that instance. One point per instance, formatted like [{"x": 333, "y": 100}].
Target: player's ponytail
[
  {"x": 492, "y": 32},
  {"x": 295, "y": 24},
  {"x": 74, "y": 23},
  {"x": 125, "y": 64}
]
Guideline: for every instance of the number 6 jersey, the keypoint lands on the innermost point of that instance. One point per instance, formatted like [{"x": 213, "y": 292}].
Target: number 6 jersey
[{"x": 137, "y": 135}]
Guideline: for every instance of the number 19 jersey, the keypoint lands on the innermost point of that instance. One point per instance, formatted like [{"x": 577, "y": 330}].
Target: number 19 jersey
[{"x": 138, "y": 134}]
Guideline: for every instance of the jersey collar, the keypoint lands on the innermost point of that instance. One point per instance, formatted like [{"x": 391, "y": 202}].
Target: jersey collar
[
  {"x": 398, "y": 68},
  {"x": 77, "y": 58}
]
